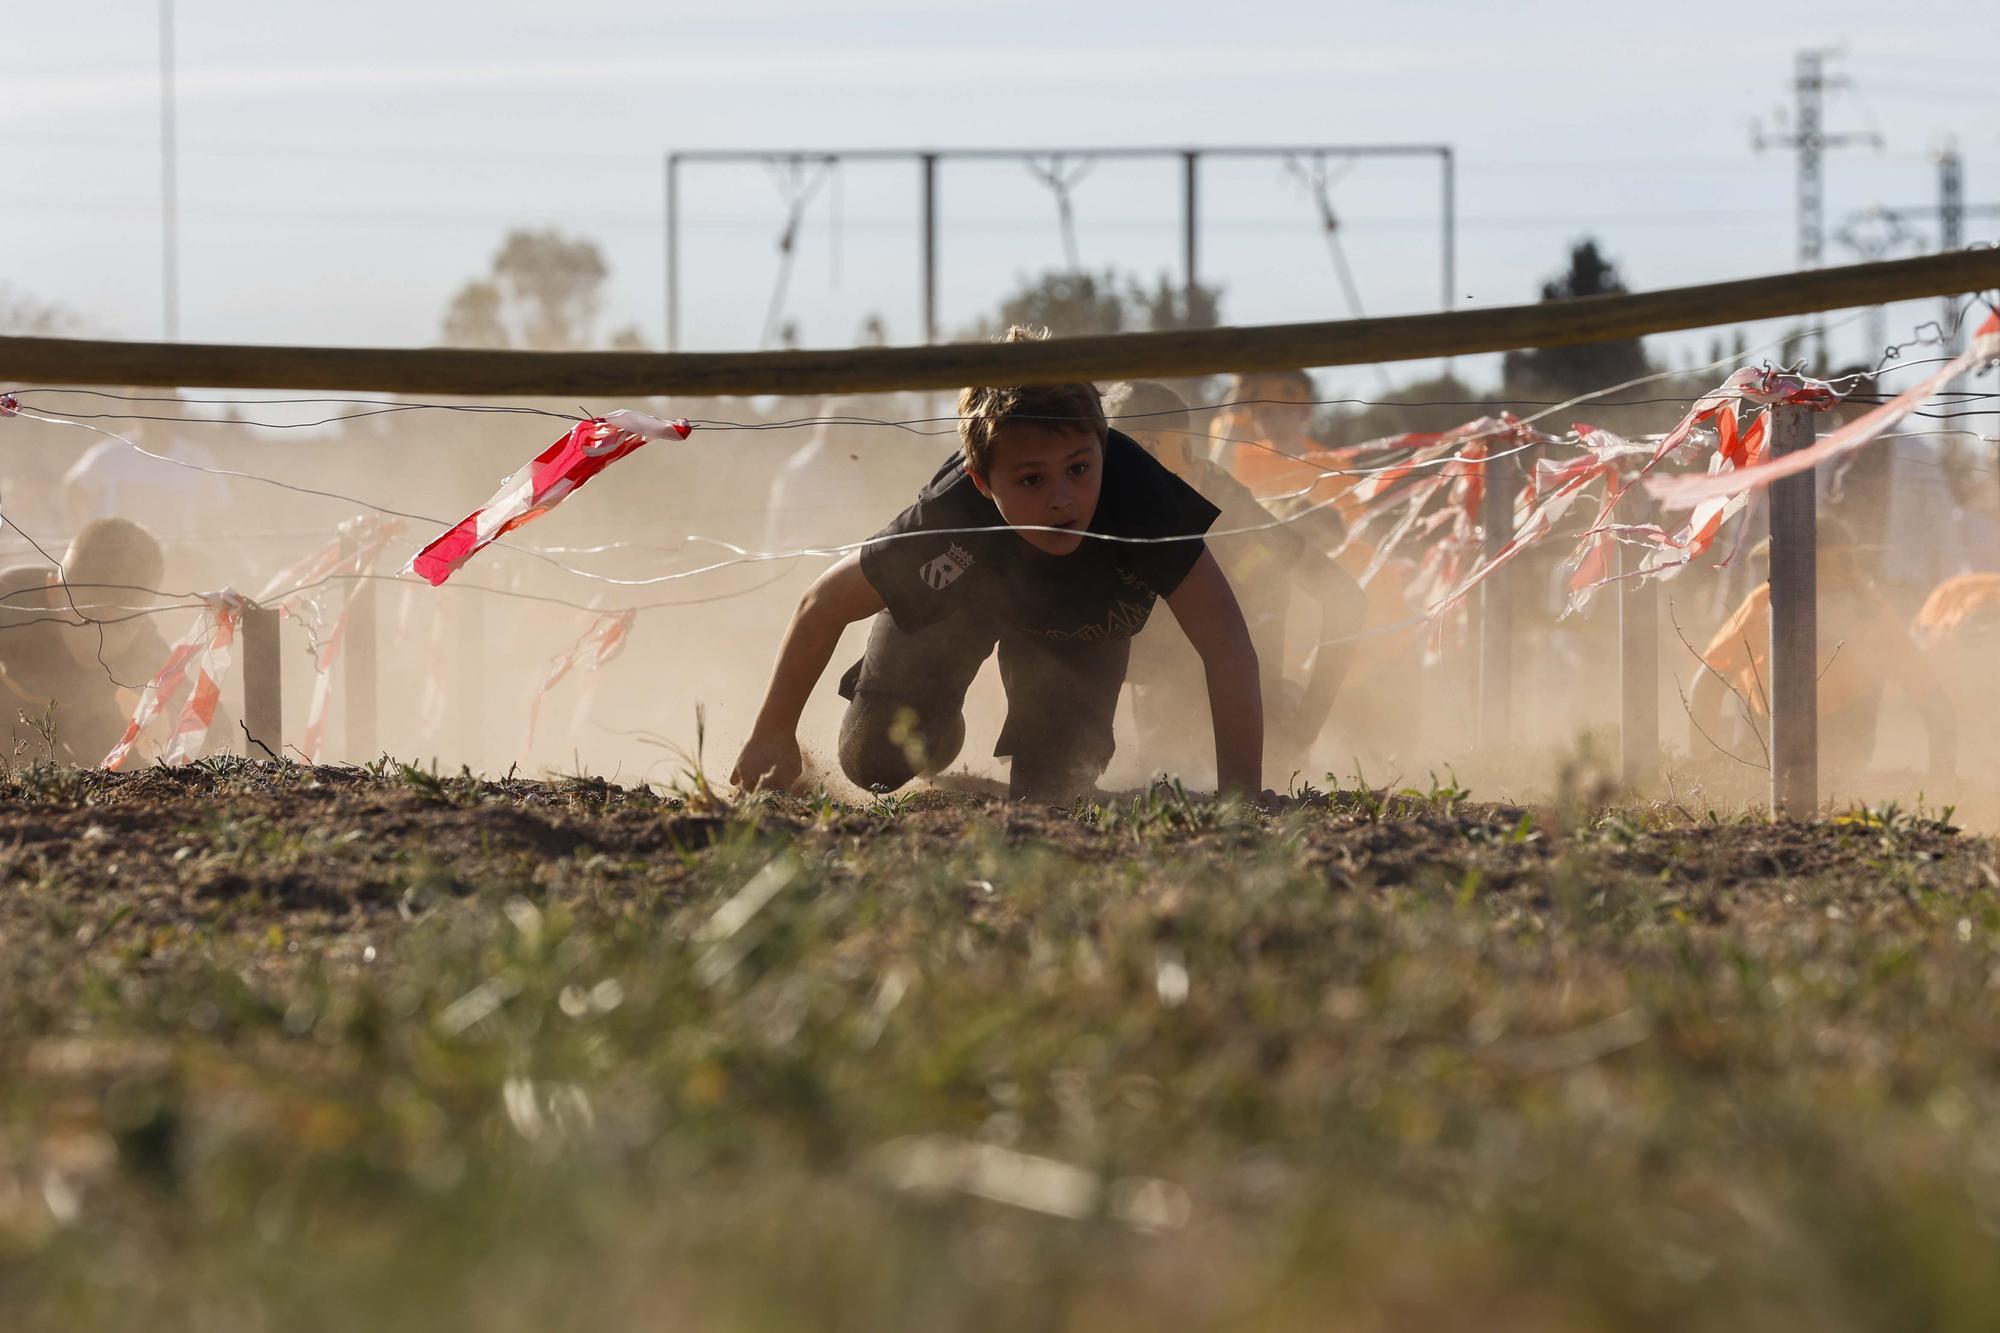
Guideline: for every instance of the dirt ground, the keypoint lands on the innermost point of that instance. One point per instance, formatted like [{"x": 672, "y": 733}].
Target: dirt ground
[
  {"x": 337, "y": 1048},
  {"x": 331, "y": 849}
]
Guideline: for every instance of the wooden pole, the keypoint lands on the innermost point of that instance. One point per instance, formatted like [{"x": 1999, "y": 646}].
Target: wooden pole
[
  {"x": 358, "y": 667},
  {"x": 263, "y": 692},
  {"x": 1794, "y": 624},
  {"x": 673, "y": 259},
  {"x": 1638, "y": 672},
  {"x": 1496, "y": 605},
  {"x": 1173, "y": 354},
  {"x": 930, "y": 255},
  {"x": 1190, "y": 220}
]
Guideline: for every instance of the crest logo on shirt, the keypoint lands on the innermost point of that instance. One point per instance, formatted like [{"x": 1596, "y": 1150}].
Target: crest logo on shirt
[{"x": 944, "y": 571}]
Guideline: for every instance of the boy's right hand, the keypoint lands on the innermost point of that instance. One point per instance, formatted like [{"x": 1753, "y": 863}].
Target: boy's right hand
[{"x": 772, "y": 762}]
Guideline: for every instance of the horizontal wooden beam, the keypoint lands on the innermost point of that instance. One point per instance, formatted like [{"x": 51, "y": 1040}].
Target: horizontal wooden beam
[{"x": 603, "y": 375}]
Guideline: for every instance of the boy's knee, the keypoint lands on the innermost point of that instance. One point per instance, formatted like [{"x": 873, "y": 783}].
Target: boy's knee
[{"x": 884, "y": 744}]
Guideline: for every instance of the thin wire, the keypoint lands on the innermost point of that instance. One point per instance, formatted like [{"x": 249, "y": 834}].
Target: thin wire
[
  {"x": 317, "y": 422},
  {"x": 716, "y": 425},
  {"x": 742, "y": 555},
  {"x": 37, "y": 415}
]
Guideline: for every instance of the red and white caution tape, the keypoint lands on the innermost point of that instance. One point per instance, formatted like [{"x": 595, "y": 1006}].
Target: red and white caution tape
[
  {"x": 602, "y": 641},
  {"x": 1693, "y": 492},
  {"x": 589, "y": 448},
  {"x": 207, "y": 648},
  {"x": 300, "y": 592}
]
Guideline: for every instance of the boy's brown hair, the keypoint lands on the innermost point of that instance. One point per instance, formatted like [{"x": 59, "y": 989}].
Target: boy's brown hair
[{"x": 983, "y": 411}]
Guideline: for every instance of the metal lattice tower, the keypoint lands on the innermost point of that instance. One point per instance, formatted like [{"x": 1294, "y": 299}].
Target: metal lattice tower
[
  {"x": 1951, "y": 225},
  {"x": 1809, "y": 83},
  {"x": 1810, "y": 140}
]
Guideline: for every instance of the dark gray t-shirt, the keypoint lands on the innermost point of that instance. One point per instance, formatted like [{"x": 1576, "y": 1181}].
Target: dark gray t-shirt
[{"x": 1102, "y": 590}]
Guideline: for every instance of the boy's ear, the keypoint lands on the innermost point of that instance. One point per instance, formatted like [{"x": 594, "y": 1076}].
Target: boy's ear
[{"x": 979, "y": 483}]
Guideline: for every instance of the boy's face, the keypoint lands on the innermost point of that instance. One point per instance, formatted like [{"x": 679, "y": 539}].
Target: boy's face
[
  {"x": 1045, "y": 478},
  {"x": 1285, "y": 414}
]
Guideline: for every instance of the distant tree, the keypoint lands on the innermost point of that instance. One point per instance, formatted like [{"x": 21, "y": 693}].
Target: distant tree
[
  {"x": 23, "y": 316},
  {"x": 1172, "y": 305},
  {"x": 1067, "y": 304},
  {"x": 1437, "y": 404},
  {"x": 475, "y": 317},
  {"x": 1074, "y": 305},
  {"x": 543, "y": 290},
  {"x": 1574, "y": 370},
  {"x": 874, "y": 331}
]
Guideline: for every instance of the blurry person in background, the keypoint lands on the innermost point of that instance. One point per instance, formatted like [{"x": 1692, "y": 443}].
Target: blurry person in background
[
  {"x": 1264, "y": 437},
  {"x": 1855, "y": 489},
  {"x": 76, "y": 647},
  {"x": 1266, "y": 562},
  {"x": 1958, "y": 632},
  {"x": 1266, "y": 431},
  {"x": 1896, "y": 498},
  {"x": 1864, "y": 647}
]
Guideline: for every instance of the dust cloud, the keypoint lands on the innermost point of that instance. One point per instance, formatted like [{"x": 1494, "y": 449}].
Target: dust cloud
[{"x": 457, "y": 668}]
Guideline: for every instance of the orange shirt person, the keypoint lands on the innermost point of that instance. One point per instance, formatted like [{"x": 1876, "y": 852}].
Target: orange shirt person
[
  {"x": 1958, "y": 632},
  {"x": 1864, "y": 647},
  {"x": 1265, "y": 440}
]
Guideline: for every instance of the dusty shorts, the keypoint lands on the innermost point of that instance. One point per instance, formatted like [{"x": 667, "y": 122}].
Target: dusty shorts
[{"x": 907, "y": 698}]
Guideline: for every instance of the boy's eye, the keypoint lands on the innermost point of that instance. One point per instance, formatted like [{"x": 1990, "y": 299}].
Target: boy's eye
[{"x": 1078, "y": 469}]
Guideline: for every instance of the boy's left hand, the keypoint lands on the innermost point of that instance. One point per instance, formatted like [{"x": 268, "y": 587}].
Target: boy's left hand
[{"x": 768, "y": 762}]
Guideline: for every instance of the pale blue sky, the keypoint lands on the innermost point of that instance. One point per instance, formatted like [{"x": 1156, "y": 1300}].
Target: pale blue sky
[{"x": 345, "y": 167}]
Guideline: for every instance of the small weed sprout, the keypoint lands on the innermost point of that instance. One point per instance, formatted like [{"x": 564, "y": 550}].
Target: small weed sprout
[{"x": 43, "y": 724}]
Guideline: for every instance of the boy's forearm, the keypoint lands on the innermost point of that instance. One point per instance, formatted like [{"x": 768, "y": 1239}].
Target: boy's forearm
[
  {"x": 1235, "y": 701},
  {"x": 808, "y": 646},
  {"x": 1209, "y": 616},
  {"x": 838, "y": 598}
]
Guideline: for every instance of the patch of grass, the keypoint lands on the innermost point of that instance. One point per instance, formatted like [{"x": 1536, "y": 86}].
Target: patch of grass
[{"x": 328, "y": 1049}]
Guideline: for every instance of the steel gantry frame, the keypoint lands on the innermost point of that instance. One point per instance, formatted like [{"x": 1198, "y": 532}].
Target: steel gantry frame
[{"x": 928, "y": 160}]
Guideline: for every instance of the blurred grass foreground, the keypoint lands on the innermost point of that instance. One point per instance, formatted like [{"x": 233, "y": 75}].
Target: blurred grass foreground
[{"x": 294, "y": 1048}]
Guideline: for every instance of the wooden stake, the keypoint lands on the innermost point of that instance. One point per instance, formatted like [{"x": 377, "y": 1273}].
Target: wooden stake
[
  {"x": 1794, "y": 624},
  {"x": 263, "y": 694}
]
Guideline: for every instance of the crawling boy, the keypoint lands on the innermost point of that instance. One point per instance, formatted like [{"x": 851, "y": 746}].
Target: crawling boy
[{"x": 1049, "y": 537}]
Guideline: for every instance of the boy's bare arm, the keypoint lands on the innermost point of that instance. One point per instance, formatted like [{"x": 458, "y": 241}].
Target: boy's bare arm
[
  {"x": 1343, "y": 608},
  {"x": 836, "y": 600},
  {"x": 1207, "y": 613}
]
